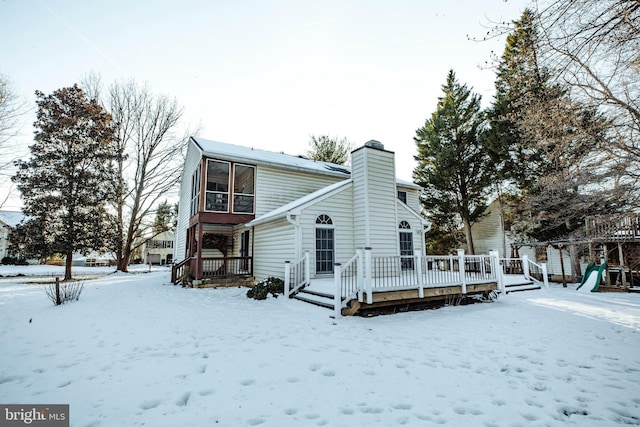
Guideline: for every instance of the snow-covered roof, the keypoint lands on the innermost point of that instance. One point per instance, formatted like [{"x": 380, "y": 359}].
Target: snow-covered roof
[
  {"x": 225, "y": 151},
  {"x": 294, "y": 207},
  {"x": 11, "y": 218}
]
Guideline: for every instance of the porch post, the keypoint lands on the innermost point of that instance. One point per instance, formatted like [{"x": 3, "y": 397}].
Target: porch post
[
  {"x": 419, "y": 273},
  {"x": 495, "y": 267},
  {"x": 525, "y": 266},
  {"x": 200, "y": 271},
  {"x": 287, "y": 278},
  {"x": 463, "y": 279},
  {"x": 545, "y": 277},
  {"x": 337, "y": 298},
  {"x": 367, "y": 275},
  {"x": 307, "y": 268}
]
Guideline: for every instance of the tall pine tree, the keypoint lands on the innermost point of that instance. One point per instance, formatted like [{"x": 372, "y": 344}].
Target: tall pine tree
[
  {"x": 66, "y": 183},
  {"x": 453, "y": 169},
  {"x": 543, "y": 144}
]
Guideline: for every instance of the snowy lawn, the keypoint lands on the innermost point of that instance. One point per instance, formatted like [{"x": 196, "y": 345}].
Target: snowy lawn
[{"x": 136, "y": 350}]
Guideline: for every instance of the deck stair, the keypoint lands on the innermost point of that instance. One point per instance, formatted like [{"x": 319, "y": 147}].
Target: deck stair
[
  {"x": 519, "y": 283},
  {"x": 520, "y": 287},
  {"x": 315, "y": 297}
]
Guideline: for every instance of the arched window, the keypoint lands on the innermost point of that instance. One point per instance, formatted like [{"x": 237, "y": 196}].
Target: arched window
[
  {"x": 324, "y": 220},
  {"x": 325, "y": 245},
  {"x": 406, "y": 245}
]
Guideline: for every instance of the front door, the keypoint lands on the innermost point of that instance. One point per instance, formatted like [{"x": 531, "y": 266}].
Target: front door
[
  {"x": 324, "y": 250},
  {"x": 244, "y": 250}
]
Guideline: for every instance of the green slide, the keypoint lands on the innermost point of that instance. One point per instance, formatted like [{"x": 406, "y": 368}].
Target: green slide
[{"x": 592, "y": 277}]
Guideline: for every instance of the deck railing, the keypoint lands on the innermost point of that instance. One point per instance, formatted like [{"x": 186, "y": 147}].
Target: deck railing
[
  {"x": 526, "y": 267},
  {"x": 220, "y": 267},
  {"x": 364, "y": 274},
  {"x": 180, "y": 270},
  {"x": 622, "y": 227},
  {"x": 296, "y": 275}
]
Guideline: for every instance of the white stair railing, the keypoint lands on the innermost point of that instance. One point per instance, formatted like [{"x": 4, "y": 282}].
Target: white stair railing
[{"x": 300, "y": 272}]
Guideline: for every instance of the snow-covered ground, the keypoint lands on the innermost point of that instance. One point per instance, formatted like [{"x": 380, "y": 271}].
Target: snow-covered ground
[{"x": 135, "y": 350}]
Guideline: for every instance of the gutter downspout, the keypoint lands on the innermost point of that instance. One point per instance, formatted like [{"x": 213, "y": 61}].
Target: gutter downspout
[{"x": 297, "y": 250}]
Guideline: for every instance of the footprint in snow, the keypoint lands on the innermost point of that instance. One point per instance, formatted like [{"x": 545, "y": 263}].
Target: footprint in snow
[
  {"x": 329, "y": 373},
  {"x": 256, "y": 421},
  {"x": 182, "y": 401},
  {"x": 248, "y": 382},
  {"x": 402, "y": 406},
  {"x": 150, "y": 404},
  {"x": 291, "y": 411}
]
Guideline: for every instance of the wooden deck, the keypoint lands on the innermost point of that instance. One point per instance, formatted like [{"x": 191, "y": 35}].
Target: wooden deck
[{"x": 322, "y": 292}]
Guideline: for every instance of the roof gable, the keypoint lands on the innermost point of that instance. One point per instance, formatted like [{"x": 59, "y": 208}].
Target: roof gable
[
  {"x": 297, "y": 205},
  {"x": 11, "y": 218}
]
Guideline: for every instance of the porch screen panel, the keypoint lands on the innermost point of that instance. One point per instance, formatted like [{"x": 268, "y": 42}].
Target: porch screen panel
[
  {"x": 324, "y": 250},
  {"x": 217, "y": 194},
  {"x": 243, "y": 188}
]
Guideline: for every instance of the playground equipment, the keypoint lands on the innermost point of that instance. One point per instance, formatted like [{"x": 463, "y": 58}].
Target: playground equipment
[{"x": 592, "y": 277}]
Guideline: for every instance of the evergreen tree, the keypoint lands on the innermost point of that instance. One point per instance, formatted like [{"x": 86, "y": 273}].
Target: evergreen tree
[
  {"x": 542, "y": 143},
  {"x": 327, "y": 149},
  {"x": 453, "y": 169},
  {"x": 519, "y": 82},
  {"x": 67, "y": 182},
  {"x": 166, "y": 217}
]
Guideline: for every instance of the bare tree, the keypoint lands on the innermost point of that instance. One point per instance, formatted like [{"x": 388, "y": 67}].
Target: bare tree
[
  {"x": 149, "y": 162},
  {"x": 594, "y": 47},
  {"x": 12, "y": 108}
]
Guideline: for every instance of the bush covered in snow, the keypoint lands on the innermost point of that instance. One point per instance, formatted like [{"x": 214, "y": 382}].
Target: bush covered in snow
[{"x": 262, "y": 289}]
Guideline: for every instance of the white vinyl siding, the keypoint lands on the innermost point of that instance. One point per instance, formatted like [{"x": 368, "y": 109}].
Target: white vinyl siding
[
  {"x": 487, "y": 233},
  {"x": 277, "y": 187},
  {"x": 413, "y": 200},
  {"x": 273, "y": 245},
  {"x": 338, "y": 208},
  {"x": 553, "y": 261},
  {"x": 374, "y": 201},
  {"x": 192, "y": 161}
]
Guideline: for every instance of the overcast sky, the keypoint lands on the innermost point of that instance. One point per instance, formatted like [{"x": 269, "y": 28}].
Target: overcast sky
[{"x": 265, "y": 74}]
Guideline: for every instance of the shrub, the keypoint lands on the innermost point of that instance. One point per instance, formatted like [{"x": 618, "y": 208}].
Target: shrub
[
  {"x": 262, "y": 289},
  {"x": 60, "y": 294}
]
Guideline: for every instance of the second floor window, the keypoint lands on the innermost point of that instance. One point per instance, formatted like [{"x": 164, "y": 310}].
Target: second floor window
[
  {"x": 229, "y": 187},
  {"x": 243, "y": 188},
  {"x": 217, "y": 191},
  {"x": 402, "y": 195}
]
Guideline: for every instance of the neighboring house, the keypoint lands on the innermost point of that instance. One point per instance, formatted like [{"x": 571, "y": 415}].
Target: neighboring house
[
  {"x": 8, "y": 221},
  {"x": 245, "y": 211},
  {"x": 92, "y": 259},
  {"x": 159, "y": 250},
  {"x": 491, "y": 232}
]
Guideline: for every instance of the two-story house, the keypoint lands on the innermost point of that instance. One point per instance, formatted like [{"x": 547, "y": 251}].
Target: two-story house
[{"x": 247, "y": 211}]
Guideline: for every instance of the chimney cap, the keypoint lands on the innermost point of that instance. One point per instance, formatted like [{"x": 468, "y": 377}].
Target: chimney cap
[{"x": 374, "y": 144}]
